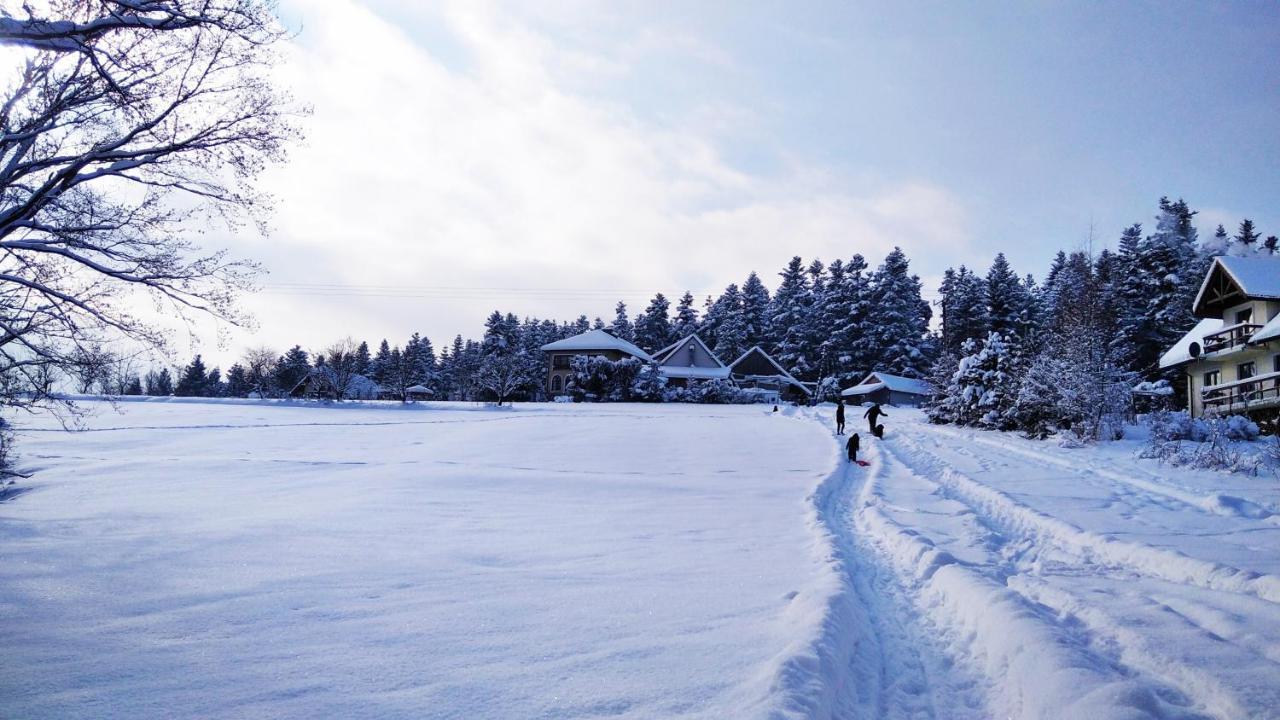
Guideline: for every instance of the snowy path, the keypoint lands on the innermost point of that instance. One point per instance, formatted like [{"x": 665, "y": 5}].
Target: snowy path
[
  {"x": 237, "y": 561},
  {"x": 1076, "y": 583}
]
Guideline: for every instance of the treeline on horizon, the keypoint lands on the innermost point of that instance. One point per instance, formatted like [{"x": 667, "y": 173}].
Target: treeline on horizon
[{"x": 825, "y": 323}]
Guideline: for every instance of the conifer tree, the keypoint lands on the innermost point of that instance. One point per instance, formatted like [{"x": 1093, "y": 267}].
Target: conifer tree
[
  {"x": 686, "y": 322},
  {"x": 362, "y": 359},
  {"x": 292, "y": 369},
  {"x": 755, "y": 312},
  {"x": 380, "y": 365},
  {"x": 788, "y": 319},
  {"x": 899, "y": 326},
  {"x": 1247, "y": 238},
  {"x": 238, "y": 381},
  {"x": 622, "y": 326},
  {"x": 193, "y": 382},
  {"x": 653, "y": 326},
  {"x": 1219, "y": 244},
  {"x": 731, "y": 335}
]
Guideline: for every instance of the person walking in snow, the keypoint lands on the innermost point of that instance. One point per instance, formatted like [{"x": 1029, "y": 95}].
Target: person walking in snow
[
  {"x": 852, "y": 447},
  {"x": 839, "y": 416},
  {"x": 872, "y": 414}
]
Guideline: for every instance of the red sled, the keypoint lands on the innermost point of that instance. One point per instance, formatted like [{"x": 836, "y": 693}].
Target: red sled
[{"x": 863, "y": 463}]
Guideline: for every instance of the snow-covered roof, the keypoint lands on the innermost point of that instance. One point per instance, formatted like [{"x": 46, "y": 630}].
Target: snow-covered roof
[
  {"x": 668, "y": 351},
  {"x": 781, "y": 372},
  {"x": 1270, "y": 331},
  {"x": 696, "y": 373},
  {"x": 596, "y": 340},
  {"x": 420, "y": 389},
  {"x": 1258, "y": 276},
  {"x": 1181, "y": 351},
  {"x": 896, "y": 383},
  {"x": 861, "y": 389}
]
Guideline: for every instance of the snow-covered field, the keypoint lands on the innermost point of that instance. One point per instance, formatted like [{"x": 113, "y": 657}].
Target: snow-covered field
[{"x": 240, "y": 560}]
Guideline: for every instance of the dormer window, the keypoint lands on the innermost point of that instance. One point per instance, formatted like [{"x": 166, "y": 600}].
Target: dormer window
[{"x": 1244, "y": 316}]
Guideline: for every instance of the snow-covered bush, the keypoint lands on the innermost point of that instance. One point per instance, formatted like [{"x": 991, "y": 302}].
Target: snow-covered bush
[
  {"x": 1206, "y": 444},
  {"x": 1166, "y": 425},
  {"x": 982, "y": 389},
  {"x": 710, "y": 392},
  {"x": 599, "y": 379}
]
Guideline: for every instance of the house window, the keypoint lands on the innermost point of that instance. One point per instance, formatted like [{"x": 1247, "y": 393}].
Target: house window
[
  {"x": 560, "y": 362},
  {"x": 1244, "y": 371},
  {"x": 1244, "y": 316},
  {"x": 1211, "y": 378},
  {"x": 555, "y": 383}
]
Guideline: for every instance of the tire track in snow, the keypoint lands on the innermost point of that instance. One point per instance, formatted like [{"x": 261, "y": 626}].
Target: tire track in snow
[
  {"x": 1216, "y": 503},
  {"x": 1015, "y": 517},
  {"x": 1119, "y": 623},
  {"x": 1038, "y": 666}
]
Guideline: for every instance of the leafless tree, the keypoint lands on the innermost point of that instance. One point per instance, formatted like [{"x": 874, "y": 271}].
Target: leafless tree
[
  {"x": 259, "y": 370},
  {"x": 502, "y": 374},
  {"x": 337, "y": 374},
  {"x": 127, "y": 126}
]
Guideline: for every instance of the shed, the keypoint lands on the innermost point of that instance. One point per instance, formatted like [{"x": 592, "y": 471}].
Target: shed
[{"x": 886, "y": 389}]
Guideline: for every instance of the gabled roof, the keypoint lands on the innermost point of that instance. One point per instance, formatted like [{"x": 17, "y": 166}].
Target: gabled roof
[
  {"x": 1181, "y": 351},
  {"x": 781, "y": 372},
  {"x": 596, "y": 340},
  {"x": 896, "y": 383},
  {"x": 1256, "y": 276},
  {"x": 665, "y": 353}
]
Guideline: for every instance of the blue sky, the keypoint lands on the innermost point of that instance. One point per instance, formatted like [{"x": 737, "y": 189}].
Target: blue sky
[{"x": 585, "y": 151}]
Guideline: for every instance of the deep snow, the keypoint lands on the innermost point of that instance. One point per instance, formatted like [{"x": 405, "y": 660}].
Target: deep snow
[
  {"x": 237, "y": 560},
  {"x": 188, "y": 559}
]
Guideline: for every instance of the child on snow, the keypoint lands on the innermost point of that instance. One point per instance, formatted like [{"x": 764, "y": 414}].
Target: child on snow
[{"x": 852, "y": 447}]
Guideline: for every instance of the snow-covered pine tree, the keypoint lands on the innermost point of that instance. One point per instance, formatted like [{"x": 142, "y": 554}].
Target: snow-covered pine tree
[
  {"x": 898, "y": 326},
  {"x": 828, "y": 318},
  {"x": 1247, "y": 238},
  {"x": 621, "y": 326},
  {"x": 686, "y": 322},
  {"x": 1271, "y": 245},
  {"x": 982, "y": 390},
  {"x": 755, "y": 312},
  {"x": 193, "y": 379},
  {"x": 291, "y": 369},
  {"x": 237, "y": 381},
  {"x": 1219, "y": 244},
  {"x": 362, "y": 359},
  {"x": 1006, "y": 300},
  {"x": 653, "y": 326},
  {"x": 1172, "y": 261},
  {"x": 789, "y": 318},
  {"x": 854, "y": 355},
  {"x": 731, "y": 335},
  {"x": 380, "y": 364},
  {"x": 964, "y": 309},
  {"x": 213, "y": 385}
]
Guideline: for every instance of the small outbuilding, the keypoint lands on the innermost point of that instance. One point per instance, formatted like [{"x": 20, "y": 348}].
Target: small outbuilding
[
  {"x": 886, "y": 389},
  {"x": 418, "y": 392}
]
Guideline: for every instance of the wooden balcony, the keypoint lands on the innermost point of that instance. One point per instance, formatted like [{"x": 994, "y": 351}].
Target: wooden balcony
[
  {"x": 1230, "y": 337},
  {"x": 1257, "y": 392}
]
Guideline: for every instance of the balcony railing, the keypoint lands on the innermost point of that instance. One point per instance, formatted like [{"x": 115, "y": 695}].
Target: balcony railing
[
  {"x": 1257, "y": 391},
  {"x": 1230, "y": 337}
]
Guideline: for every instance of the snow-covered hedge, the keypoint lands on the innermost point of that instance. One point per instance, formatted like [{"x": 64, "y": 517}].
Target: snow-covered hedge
[{"x": 1208, "y": 444}]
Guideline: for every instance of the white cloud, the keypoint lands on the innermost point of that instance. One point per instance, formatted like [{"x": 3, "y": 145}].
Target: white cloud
[{"x": 488, "y": 171}]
